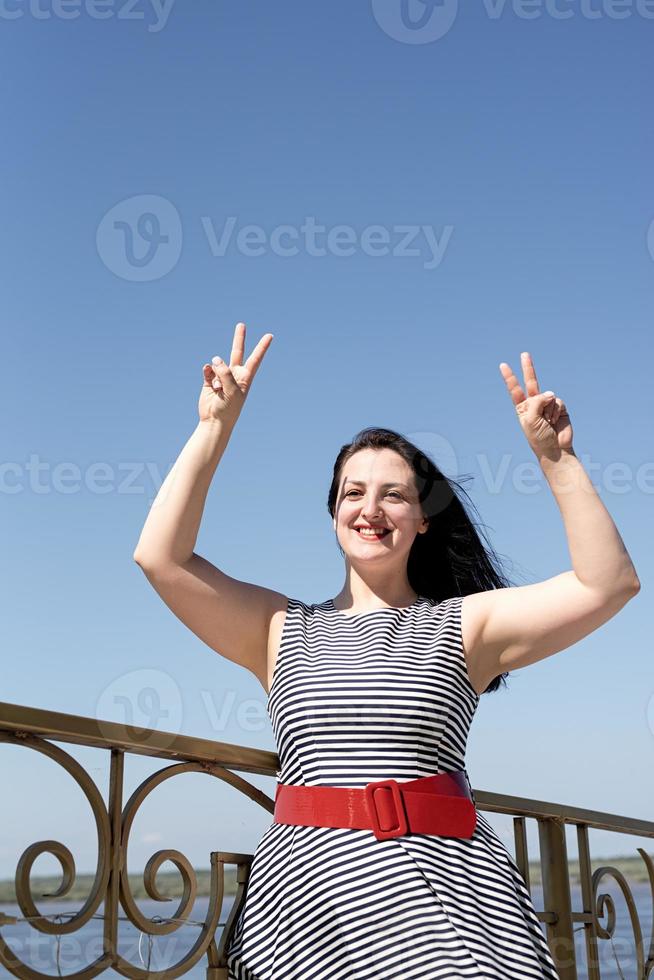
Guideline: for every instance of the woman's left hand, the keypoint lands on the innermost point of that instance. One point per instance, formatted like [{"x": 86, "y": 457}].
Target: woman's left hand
[{"x": 543, "y": 417}]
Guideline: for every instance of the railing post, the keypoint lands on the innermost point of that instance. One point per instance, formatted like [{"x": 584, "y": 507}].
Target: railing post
[
  {"x": 115, "y": 809},
  {"x": 556, "y": 895}
]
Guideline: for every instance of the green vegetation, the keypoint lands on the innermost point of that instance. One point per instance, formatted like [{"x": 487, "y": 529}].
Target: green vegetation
[
  {"x": 169, "y": 882},
  {"x": 633, "y": 868}
]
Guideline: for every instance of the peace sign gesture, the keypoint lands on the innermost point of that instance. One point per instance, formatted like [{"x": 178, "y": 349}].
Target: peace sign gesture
[
  {"x": 226, "y": 385},
  {"x": 543, "y": 417}
]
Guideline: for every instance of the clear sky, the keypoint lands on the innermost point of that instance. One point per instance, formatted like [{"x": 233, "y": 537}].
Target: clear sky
[{"x": 404, "y": 196}]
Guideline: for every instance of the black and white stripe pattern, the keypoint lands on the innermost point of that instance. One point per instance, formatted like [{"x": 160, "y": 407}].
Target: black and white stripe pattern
[{"x": 380, "y": 695}]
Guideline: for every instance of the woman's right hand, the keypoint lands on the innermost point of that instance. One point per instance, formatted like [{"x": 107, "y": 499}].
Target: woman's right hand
[{"x": 226, "y": 386}]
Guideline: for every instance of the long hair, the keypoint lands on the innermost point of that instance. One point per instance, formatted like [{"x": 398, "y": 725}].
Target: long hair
[{"x": 449, "y": 559}]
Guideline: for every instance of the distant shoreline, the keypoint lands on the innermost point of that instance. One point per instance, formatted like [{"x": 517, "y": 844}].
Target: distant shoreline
[{"x": 170, "y": 885}]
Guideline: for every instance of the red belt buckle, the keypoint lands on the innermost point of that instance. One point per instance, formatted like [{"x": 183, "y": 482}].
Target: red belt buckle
[{"x": 400, "y": 813}]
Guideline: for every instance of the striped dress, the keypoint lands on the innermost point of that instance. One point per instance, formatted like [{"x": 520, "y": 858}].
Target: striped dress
[{"x": 383, "y": 694}]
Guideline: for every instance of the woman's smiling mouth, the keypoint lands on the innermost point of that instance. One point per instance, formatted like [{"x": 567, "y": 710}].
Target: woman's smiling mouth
[{"x": 372, "y": 534}]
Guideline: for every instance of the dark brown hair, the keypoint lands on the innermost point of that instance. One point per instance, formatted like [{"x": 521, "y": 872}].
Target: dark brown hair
[{"x": 449, "y": 559}]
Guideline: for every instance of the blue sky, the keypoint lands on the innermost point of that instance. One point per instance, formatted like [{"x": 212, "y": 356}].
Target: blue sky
[{"x": 429, "y": 200}]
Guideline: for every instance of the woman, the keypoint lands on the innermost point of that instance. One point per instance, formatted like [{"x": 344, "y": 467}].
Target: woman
[{"x": 377, "y": 864}]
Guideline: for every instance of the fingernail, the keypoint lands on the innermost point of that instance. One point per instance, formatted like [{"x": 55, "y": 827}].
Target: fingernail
[{"x": 217, "y": 360}]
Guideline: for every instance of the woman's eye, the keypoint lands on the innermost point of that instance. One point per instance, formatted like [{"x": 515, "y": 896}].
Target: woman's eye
[{"x": 392, "y": 493}]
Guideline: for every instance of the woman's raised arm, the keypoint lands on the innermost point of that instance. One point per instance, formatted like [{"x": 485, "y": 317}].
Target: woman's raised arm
[
  {"x": 513, "y": 627},
  {"x": 230, "y": 616}
]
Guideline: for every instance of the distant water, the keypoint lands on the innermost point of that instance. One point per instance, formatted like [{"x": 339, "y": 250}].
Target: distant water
[{"x": 82, "y": 947}]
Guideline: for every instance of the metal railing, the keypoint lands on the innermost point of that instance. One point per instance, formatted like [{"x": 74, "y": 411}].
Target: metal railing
[{"x": 37, "y": 729}]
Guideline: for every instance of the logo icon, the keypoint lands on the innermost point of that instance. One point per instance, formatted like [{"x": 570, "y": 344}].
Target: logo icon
[
  {"x": 140, "y": 238},
  {"x": 415, "y": 21},
  {"x": 145, "y": 701},
  {"x": 650, "y": 239}
]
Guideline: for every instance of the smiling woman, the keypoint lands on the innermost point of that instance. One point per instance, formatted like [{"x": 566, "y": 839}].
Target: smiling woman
[
  {"x": 429, "y": 545},
  {"x": 371, "y": 696}
]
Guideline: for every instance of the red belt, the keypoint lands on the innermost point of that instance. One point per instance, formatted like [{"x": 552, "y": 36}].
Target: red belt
[{"x": 439, "y": 804}]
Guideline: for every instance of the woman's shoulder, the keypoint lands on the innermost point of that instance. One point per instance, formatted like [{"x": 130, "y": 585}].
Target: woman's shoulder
[{"x": 303, "y": 607}]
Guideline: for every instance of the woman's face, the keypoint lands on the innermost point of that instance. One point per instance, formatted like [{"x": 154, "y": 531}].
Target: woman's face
[{"x": 377, "y": 489}]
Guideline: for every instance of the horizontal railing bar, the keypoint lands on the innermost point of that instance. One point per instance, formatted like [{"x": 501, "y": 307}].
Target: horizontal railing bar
[
  {"x": 57, "y": 726},
  {"x": 597, "y": 819}
]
